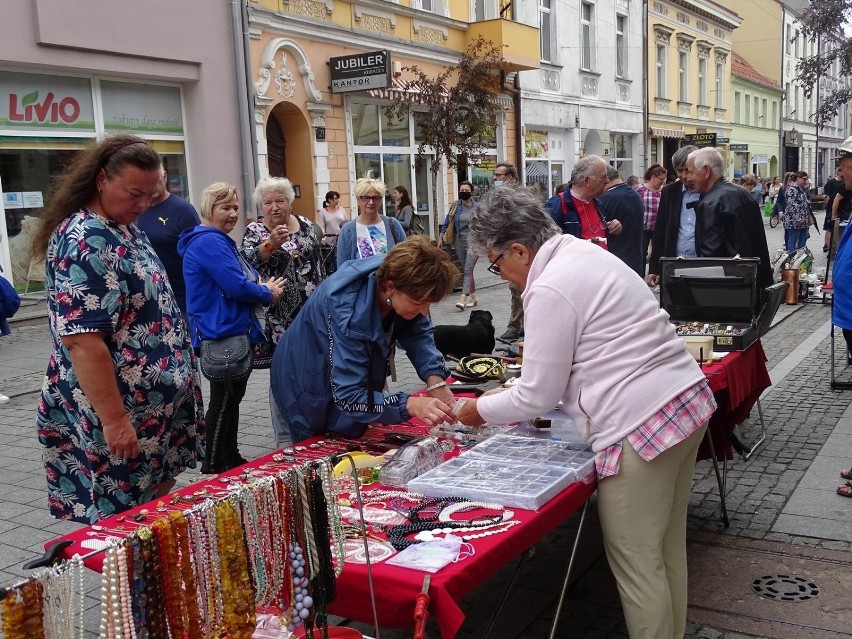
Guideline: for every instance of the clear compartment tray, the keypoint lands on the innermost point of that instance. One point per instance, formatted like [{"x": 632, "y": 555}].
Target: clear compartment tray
[
  {"x": 523, "y": 450},
  {"x": 480, "y": 478}
]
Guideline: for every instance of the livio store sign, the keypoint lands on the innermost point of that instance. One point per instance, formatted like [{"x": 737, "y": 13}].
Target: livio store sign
[
  {"x": 360, "y": 72},
  {"x": 37, "y": 102}
]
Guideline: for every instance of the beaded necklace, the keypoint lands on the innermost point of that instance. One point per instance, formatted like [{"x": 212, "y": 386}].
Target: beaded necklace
[
  {"x": 63, "y": 598},
  {"x": 23, "y": 611}
]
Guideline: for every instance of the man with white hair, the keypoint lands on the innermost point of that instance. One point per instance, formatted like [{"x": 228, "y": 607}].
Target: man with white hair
[{"x": 727, "y": 219}]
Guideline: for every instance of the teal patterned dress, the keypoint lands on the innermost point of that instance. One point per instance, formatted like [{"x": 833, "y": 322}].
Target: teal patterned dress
[{"x": 103, "y": 277}]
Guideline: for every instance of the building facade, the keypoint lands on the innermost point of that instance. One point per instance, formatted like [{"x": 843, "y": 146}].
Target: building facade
[
  {"x": 68, "y": 75},
  {"x": 583, "y": 99},
  {"x": 754, "y": 144},
  {"x": 689, "y": 74},
  {"x": 324, "y": 137}
]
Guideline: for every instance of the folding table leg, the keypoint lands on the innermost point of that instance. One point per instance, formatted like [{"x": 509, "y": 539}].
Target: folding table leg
[
  {"x": 568, "y": 571},
  {"x": 835, "y": 385},
  {"x": 521, "y": 561},
  {"x": 721, "y": 479}
]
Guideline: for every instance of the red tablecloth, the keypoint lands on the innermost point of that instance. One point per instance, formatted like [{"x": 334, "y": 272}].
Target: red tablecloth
[
  {"x": 737, "y": 381},
  {"x": 396, "y": 588}
]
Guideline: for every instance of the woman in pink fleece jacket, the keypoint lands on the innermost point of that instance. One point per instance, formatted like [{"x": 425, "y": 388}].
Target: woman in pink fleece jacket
[{"x": 597, "y": 341}]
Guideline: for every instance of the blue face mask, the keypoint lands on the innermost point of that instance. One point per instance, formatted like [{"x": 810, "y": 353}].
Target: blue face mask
[{"x": 498, "y": 183}]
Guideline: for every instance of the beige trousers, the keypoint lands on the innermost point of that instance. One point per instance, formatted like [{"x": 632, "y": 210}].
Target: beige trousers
[{"x": 643, "y": 518}]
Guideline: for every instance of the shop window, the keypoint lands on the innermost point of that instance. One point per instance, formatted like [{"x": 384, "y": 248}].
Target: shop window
[
  {"x": 396, "y": 132},
  {"x": 622, "y": 150},
  {"x": 365, "y": 125}
]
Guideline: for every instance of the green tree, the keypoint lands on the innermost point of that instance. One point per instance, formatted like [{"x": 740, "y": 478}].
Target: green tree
[
  {"x": 454, "y": 111},
  {"x": 827, "y": 22}
]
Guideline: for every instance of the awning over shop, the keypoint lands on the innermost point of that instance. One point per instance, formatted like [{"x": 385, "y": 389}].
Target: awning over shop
[
  {"x": 396, "y": 88},
  {"x": 660, "y": 132},
  {"x": 537, "y": 172}
]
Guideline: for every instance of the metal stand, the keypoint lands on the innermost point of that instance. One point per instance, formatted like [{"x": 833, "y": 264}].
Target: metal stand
[
  {"x": 521, "y": 561},
  {"x": 568, "y": 571},
  {"x": 721, "y": 478},
  {"x": 746, "y": 453}
]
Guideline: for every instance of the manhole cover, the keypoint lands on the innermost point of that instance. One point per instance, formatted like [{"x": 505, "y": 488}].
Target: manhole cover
[{"x": 785, "y": 588}]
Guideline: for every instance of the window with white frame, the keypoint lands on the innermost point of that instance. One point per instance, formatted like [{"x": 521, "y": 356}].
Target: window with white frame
[
  {"x": 789, "y": 40},
  {"x": 788, "y": 102},
  {"x": 702, "y": 80},
  {"x": 587, "y": 36},
  {"x": 774, "y": 112},
  {"x": 737, "y": 110},
  {"x": 432, "y": 6},
  {"x": 756, "y": 113},
  {"x": 620, "y": 46},
  {"x": 661, "y": 70},
  {"x": 720, "y": 83},
  {"x": 747, "y": 113},
  {"x": 544, "y": 29},
  {"x": 683, "y": 75},
  {"x": 764, "y": 112}
]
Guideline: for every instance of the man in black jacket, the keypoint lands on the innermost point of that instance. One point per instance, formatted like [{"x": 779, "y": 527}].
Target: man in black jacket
[
  {"x": 674, "y": 233},
  {"x": 727, "y": 219}
]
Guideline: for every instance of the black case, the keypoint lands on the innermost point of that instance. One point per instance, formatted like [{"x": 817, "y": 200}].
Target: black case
[{"x": 725, "y": 293}]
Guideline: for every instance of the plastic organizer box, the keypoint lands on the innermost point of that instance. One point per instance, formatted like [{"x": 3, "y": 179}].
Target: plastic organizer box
[{"x": 574, "y": 455}]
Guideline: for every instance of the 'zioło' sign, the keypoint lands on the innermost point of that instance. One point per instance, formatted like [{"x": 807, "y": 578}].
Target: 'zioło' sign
[{"x": 360, "y": 72}]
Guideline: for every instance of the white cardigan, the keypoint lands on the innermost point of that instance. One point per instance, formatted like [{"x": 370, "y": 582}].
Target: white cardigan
[{"x": 596, "y": 339}]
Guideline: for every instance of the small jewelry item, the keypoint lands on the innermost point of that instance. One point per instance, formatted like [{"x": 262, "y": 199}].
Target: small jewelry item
[
  {"x": 268, "y": 246},
  {"x": 436, "y": 386},
  {"x": 388, "y": 302}
]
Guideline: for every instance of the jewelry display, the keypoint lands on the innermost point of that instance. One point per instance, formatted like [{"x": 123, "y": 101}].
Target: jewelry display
[
  {"x": 23, "y": 612},
  {"x": 378, "y": 551},
  {"x": 63, "y": 598}
]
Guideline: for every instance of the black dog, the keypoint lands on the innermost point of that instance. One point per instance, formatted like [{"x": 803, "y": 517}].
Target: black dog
[{"x": 461, "y": 341}]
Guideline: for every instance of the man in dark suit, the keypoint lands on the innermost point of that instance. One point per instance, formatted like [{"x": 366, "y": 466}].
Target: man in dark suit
[
  {"x": 620, "y": 202},
  {"x": 674, "y": 234},
  {"x": 727, "y": 219}
]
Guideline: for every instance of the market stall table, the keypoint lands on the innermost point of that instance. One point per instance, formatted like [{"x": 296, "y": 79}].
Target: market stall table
[
  {"x": 398, "y": 587},
  {"x": 737, "y": 381}
]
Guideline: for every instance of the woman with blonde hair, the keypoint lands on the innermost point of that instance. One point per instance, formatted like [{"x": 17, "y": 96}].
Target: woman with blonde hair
[
  {"x": 371, "y": 233},
  {"x": 330, "y": 370},
  {"x": 222, "y": 294}
]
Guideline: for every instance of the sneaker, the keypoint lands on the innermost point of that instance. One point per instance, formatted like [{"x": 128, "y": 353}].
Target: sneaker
[
  {"x": 511, "y": 335},
  {"x": 3, "y": 399}
]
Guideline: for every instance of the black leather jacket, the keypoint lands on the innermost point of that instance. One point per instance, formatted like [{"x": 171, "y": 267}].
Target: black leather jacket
[{"x": 728, "y": 223}]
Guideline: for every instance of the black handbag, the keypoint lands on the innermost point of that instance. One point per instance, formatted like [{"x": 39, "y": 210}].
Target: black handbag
[{"x": 228, "y": 359}]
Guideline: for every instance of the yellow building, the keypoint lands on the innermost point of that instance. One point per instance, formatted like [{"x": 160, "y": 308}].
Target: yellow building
[
  {"x": 323, "y": 138},
  {"x": 689, "y": 74}
]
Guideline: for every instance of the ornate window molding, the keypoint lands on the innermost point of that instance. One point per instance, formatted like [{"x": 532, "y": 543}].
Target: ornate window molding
[
  {"x": 684, "y": 42},
  {"x": 283, "y": 76},
  {"x": 704, "y": 48},
  {"x": 364, "y": 17},
  {"x": 419, "y": 24},
  {"x": 303, "y": 7},
  {"x": 662, "y": 34}
]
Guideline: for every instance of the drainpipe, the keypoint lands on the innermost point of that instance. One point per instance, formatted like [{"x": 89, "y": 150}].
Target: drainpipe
[
  {"x": 519, "y": 134},
  {"x": 245, "y": 99},
  {"x": 781, "y": 148},
  {"x": 647, "y": 160}
]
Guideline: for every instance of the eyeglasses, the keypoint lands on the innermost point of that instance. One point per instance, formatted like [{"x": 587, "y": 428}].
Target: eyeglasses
[
  {"x": 370, "y": 198},
  {"x": 493, "y": 268}
]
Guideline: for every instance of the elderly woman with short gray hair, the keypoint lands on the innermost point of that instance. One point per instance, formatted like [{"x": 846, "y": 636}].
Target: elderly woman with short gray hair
[{"x": 625, "y": 379}]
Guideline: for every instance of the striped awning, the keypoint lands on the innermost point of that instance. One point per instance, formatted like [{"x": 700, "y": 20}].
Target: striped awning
[
  {"x": 396, "y": 88},
  {"x": 660, "y": 132}
]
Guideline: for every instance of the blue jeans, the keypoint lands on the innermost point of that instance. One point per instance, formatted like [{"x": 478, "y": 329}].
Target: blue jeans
[{"x": 795, "y": 239}]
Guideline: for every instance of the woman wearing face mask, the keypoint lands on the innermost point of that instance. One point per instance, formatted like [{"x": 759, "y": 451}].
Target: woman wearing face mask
[{"x": 454, "y": 232}]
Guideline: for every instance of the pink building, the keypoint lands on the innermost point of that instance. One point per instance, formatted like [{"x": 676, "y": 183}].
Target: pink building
[{"x": 72, "y": 71}]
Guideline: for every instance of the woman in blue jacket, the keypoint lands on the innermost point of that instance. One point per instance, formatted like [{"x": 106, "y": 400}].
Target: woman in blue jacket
[
  {"x": 222, "y": 290},
  {"x": 331, "y": 365}
]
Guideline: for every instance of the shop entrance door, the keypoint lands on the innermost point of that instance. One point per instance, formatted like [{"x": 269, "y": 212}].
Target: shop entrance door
[{"x": 423, "y": 194}]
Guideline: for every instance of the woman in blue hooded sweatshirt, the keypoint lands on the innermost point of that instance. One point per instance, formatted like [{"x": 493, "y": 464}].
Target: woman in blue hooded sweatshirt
[{"x": 222, "y": 291}]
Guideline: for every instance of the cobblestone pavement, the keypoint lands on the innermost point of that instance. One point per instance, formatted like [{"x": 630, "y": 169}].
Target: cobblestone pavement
[{"x": 800, "y": 411}]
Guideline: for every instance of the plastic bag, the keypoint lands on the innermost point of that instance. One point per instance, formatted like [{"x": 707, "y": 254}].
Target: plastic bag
[{"x": 431, "y": 556}]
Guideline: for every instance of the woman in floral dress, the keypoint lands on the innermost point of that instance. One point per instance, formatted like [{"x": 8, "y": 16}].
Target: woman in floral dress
[
  {"x": 120, "y": 413},
  {"x": 282, "y": 244}
]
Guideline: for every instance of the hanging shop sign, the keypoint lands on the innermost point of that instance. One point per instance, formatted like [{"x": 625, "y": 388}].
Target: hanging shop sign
[
  {"x": 360, "y": 72},
  {"x": 700, "y": 139},
  {"x": 720, "y": 140},
  {"x": 739, "y": 148},
  {"x": 760, "y": 158},
  {"x": 141, "y": 108},
  {"x": 35, "y": 102}
]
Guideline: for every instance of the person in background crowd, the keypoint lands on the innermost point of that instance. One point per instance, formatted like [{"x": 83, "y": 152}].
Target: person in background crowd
[
  {"x": 620, "y": 202},
  {"x": 796, "y": 218},
  {"x": 331, "y": 368},
  {"x": 748, "y": 182},
  {"x": 727, "y": 221},
  {"x": 163, "y": 222},
  {"x": 10, "y": 302},
  {"x": 774, "y": 187},
  {"x": 674, "y": 232},
  {"x": 632, "y": 181},
  {"x": 829, "y": 191},
  {"x": 223, "y": 291},
  {"x": 577, "y": 211},
  {"x": 282, "y": 245},
  {"x": 758, "y": 192},
  {"x": 370, "y": 233},
  {"x": 505, "y": 174},
  {"x": 649, "y": 191},
  {"x": 120, "y": 412},
  {"x": 457, "y": 220},
  {"x": 404, "y": 208},
  {"x": 331, "y": 217},
  {"x": 624, "y": 377}
]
